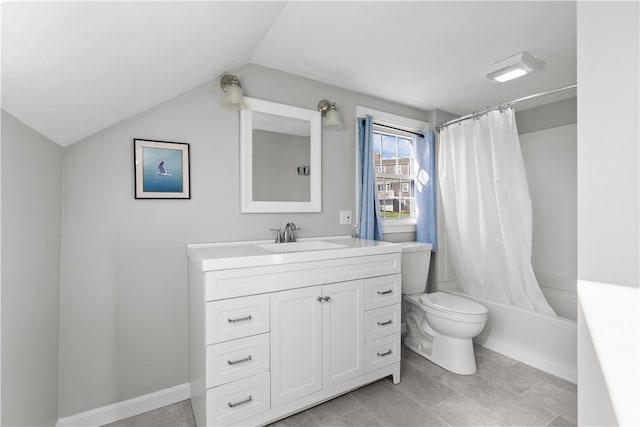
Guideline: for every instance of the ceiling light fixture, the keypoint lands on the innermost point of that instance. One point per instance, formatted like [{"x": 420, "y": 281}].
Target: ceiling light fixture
[
  {"x": 330, "y": 114},
  {"x": 513, "y": 67},
  {"x": 230, "y": 84}
]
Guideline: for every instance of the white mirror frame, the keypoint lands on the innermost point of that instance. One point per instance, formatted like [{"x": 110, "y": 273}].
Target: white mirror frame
[{"x": 247, "y": 204}]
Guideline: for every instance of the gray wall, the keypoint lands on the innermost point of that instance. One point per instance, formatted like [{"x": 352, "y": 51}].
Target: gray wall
[
  {"x": 548, "y": 136},
  {"x": 608, "y": 134},
  {"x": 550, "y": 159},
  {"x": 439, "y": 259},
  {"x": 276, "y": 157},
  {"x": 608, "y": 57},
  {"x": 124, "y": 283},
  {"x": 547, "y": 116},
  {"x": 31, "y": 217},
  {"x": 440, "y": 268}
]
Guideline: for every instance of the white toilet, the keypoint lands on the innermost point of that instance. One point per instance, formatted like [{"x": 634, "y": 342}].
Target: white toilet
[{"x": 440, "y": 325}]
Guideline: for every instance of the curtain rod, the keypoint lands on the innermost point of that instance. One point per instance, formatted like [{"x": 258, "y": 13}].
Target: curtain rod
[
  {"x": 402, "y": 130},
  {"x": 501, "y": 106}
]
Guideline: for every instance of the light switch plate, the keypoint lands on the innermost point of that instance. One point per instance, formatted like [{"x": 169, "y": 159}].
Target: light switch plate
[{"x": 345, "y": 217}]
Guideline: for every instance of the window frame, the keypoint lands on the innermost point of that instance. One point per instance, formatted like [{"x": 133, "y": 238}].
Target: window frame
[{"x": 389, "y": 225}]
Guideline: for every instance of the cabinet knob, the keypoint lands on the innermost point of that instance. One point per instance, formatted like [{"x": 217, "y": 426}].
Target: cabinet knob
[{"x": 320, "y": 299}]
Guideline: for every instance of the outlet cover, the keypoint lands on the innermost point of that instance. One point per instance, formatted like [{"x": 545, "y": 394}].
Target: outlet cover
[{"x": 345, "y": 217}]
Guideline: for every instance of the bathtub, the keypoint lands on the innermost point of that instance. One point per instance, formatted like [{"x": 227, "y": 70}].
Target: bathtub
[{"x": 544, "y": 342}]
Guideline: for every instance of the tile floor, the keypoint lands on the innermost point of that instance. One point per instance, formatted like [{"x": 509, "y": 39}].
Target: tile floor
[{"x": 503, "y": 392}]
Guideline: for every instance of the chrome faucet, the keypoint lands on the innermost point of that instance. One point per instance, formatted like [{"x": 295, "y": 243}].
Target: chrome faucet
[{"x": 288, "y": 234}]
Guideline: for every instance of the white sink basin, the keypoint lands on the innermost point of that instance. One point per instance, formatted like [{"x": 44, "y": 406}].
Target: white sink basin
[{"x": 311, "y": 245}]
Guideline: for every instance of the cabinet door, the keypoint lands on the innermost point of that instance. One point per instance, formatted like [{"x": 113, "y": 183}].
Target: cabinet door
[
  {"x": 342, "y": 331},
  {"x": 296, "y": 344}
]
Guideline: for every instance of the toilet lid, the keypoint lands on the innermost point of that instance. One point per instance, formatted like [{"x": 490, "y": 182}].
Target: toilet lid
[{"x": 447, "y": 302}]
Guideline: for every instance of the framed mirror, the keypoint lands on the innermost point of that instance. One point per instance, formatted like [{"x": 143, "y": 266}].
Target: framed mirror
[{"x": 280, "y": 158}]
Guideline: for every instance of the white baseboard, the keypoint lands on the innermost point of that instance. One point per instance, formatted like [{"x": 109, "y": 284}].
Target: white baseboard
[{"x": 128, "y": 408}]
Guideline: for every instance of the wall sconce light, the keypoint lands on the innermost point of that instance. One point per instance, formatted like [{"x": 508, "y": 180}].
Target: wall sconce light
[
  {"x": 230, "y": 84},
  {"x": 330, "y": 114},
  {"x": 513, "y": 67}
]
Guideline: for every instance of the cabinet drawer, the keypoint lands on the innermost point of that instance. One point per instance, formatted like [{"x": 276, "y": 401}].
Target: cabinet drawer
[
  {"x": 381, "y": 291},
  {"x": 381, "y": 322},
  {"x": 233, "y": 360},
  {"x": 381, "y": 352},
  {"x": 235, "y": 401},
  {"x": 236, "y": 318},
  {"x": 237, "y": 282}
]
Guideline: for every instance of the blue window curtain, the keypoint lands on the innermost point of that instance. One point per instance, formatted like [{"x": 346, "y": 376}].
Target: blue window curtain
[
  {"x": 370, "y": 226},
  {"x": 424, "y": 155}
]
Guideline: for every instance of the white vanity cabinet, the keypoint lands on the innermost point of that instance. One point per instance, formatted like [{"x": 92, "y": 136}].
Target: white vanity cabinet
[
  {"x": 317, "y": 338},
  {"x": 271, "y": 335}
]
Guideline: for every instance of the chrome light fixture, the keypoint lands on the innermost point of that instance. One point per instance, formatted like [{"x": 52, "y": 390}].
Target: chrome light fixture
[
  {"x": 330, "y": 114},
  {"x": 513, "y": 67},
  {"x": 230, "y": 84}
]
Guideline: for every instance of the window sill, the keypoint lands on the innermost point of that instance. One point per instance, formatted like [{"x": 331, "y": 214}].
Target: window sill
[{"x": 389, "y": 227}]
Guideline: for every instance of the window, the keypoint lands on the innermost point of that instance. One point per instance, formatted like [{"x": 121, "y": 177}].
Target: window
[{"x": 395, "y": 173}]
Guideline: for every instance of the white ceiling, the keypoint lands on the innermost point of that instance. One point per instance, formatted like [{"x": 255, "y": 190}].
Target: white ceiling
[{"x": 70, "y": 69}]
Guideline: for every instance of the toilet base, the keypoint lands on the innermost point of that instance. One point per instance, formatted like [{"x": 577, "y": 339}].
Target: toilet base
[
  {"x": 453, "y": 354},
  {"x": 457, "y": 357}
]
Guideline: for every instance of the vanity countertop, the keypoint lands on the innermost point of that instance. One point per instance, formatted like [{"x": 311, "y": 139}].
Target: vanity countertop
[{"x": 226, "y": 255}]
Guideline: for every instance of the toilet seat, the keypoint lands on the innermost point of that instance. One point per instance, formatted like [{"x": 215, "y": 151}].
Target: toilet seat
[
  {"x": 439, "y": 309},
  {"x": 447, "y": 303}
]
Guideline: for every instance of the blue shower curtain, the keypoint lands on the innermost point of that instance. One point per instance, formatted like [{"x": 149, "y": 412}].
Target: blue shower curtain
[
  {"x": 424, "y": 155},
  {"x": 369, "y": 226}
]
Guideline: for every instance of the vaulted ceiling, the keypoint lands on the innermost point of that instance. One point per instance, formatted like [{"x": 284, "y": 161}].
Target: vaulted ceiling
[{"x": 70, "y": 69}]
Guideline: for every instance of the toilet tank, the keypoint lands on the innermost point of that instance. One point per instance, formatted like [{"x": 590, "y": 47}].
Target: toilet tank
[{"x": 415, "y": 260}]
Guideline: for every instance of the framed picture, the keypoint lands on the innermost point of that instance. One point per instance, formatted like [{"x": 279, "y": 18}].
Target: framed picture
[{"x": 161, "y": 169}]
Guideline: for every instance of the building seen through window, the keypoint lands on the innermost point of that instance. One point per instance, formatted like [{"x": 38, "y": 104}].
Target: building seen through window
[{"x": 395, "y": 175}]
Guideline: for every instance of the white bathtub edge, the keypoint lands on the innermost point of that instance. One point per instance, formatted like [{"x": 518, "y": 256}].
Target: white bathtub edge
[{"x": 545, "y": 365}]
